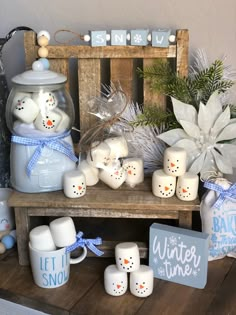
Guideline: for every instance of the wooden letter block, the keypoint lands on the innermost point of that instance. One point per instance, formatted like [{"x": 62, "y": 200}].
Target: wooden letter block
[
  {"x": 118, "y": 37},
  {"x": 160, "y": 38},
  {"x": 139, "y": 37},
  {"x": 98, "y": 38},
  {"x": 178, "y": 255}
]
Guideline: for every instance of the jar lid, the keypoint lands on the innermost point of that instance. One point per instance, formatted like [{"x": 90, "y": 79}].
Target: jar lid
[{"x": 39, "y": 76}]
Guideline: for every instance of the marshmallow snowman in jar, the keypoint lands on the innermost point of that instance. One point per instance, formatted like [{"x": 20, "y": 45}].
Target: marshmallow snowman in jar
[{"x": 40, "y": 115}]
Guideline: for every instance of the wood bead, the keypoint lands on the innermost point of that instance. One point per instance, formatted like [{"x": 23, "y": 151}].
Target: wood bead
[
  {"x": 43, "y": 41},
  {"x": 43, "y": 52},
  {"x": 2, "y": 248}
]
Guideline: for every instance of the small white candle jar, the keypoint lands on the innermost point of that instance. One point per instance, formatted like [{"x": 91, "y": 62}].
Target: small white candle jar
[
  {"x": 127, "y": 256},
  {"x": 118, "y": 146},
  {"x": 99, "y": 154},
  {"x": 74, "y": 184},
  {"x": 163, "y": 185},
  {"x": 134, "y": 170},
  {"x": 175, "y": 161},
  {"x": 63, "y": 231},
  {"x": 115, "y": 281},
  {"x": 90, "y": 173},
  {"x": 141, "y": 281},
  {"x": 41, "y": 238},
  {"x": 187, "y": 187},
  {"x": 113, "y": 177}
]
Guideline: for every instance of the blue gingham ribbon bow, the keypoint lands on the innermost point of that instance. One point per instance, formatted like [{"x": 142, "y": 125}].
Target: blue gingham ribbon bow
[
  {"x": 90, "y": 243},
  {"x": 55, "y": 143},
  {"x": 223, "y": 193}
]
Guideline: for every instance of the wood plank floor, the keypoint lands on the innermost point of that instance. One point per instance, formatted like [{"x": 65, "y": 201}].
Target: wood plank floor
[{"x": 84, "y": 293}]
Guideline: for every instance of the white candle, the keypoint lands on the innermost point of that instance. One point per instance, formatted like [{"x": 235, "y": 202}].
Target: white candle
[
  {"x": 163, "y": 185},
  {"x": 63, "y": 231},
  {"x": 127, "y": 256},
  {"x": 47, "y": 122},
  {"x": 115, "y": 281},
  {"x": 99, "y": 154},
  {"x": 118, "y": 146},
  {"x": 90, "y": 173},
  {"x": 134, "y": 170},
  {"x": 41, "y": 238},
  {"x": 26, "y": 110},
  {"x": 65, "y": 120},
  {"x": 175, "y": 160},
  {"x": 141, "y": 281},
  {"x": 187, "y": 186},
  {"x": 45, "y": 100},
  {"x": 74, "y": 184},
  {"x": 113, "y": 177}
]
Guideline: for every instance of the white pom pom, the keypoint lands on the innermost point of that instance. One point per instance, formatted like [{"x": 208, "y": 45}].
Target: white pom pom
[
  {"x": 128, "y": 36},
  {"x": 108, "y": 37},
  {"x": 43, "y": 33},
  {"x": 149, "y": 37},
  {"x": 86, "y": 38},
  {"x": 172, "y": 38}
]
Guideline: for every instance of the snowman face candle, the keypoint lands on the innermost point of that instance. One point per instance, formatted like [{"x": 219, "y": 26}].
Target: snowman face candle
[
  {"x": 175, "y": 160},
  {"x": 99, "y": 154},
  {"x": 115, "y": 281},
  {"x": 113, "y": 177},
  {"x": 127, "y": 256},
  {"x": 46, "y": 100},
  {"x": 163, "y": 185},
  {"x": 141, "y": 281},
  {"x": 48, "y": 122},
  {"x": 118, "y": 146},
  {"x": 134, "y": 170},
  {"x": 90, "y": 173},
  {"x": 74, "y": 184},
  {"x": 26, "y": 110},
  {"x": 187, "y": 186}
]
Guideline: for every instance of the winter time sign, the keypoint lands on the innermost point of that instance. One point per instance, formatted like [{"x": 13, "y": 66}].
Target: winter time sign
[{"x": 178, "y": 255}]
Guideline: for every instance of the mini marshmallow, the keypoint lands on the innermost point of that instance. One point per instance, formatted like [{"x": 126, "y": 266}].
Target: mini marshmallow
[
  {"x": 141, "y": 281},
  {"x": 175, "y": 161},
  {"x": 127, "y": 256},
  {"x": 163, "y": 185},
  {"x": 26, "y": 110},
  {"x": 118, "y": 146},
  {"x": 63, "y": 231},
  {"x": 113, "y": 177},
  {"x": 46, "y": 100},
  {"x": 134, "y": 170},
  {"x": 64, "y": 124},
  {"x": 187, "y": 186},
  {"x": 48, "y": 122},
  {"x": 90, "y": 173},
  {"x": 41, "y": 238},
  {"x": 74, "y": 184},
  {"x": 115, "y": 281},
  {"x": 98, "y": 156}
]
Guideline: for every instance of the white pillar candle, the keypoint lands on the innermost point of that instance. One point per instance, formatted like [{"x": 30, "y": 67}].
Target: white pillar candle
[
  {"x": 175, "y": 160},
  {"x": 18, "y": 97},
  {"x": 113, "y": 177},
  {"x": 74, "y": 184},
  {"x": 90, "y": 173},
  {"x": 134, "y": 170},
  {"x": 41, "y": 238},
  {"x": 141, "y": 281},
  {"x": 26, "y": 110},
  {"x": 115, "y": 281},
  {"x": 127, "y": 256},
  {"x": 163, "y": 185},
  {"x": 99, "y": 154},
  {"x": 46, "y": 100},
  {"x": 47, "y": 122},
  {"x": 118, "y": 146},
  {"x": 63, "y": 231},
  {"x": 187, "y": 187}
]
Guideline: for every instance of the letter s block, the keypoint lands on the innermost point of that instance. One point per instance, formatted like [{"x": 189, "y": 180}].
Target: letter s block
[{"x": 98, "y": 38}]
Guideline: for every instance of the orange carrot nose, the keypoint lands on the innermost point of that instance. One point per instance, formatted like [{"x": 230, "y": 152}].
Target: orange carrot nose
[
  {"x": 172, "y": 164},
  {"x": 167, "y": 188},
  {"x": 126, "y": 261},
  {"x": 79, "y": 187},
  {"x": 184, "y": 190},
  {"x": 129, "y": 172},
  {"x": 49, "y": 123},
  {"x": 118, "y": 286},
  {"x": 141, "y": 286}
]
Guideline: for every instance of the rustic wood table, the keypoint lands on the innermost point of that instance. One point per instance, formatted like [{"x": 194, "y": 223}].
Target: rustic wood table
[{"x": 99, "y": 202}]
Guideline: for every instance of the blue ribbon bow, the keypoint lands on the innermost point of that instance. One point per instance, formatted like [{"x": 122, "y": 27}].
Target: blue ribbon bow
[
  {"x": 223, "y": 193},
  {"x": 90, "y": 243},
  {"x": 55, "y": 143}
]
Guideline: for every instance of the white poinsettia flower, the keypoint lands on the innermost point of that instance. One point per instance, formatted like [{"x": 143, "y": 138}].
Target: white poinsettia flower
[{"x": 203, "y": 136}]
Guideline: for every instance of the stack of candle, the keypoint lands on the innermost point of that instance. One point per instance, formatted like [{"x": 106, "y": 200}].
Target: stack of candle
[
  {"x": 128, "y": 261},
  {"x": 107, "y": 161},
  {"x": 173, "y": 178}
]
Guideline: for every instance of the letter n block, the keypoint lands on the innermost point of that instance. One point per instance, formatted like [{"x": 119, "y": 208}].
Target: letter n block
[
  {"x": 118, "y": 37},
  {"x": 139, "y": 37},
  {"x": 160, "y": 38},
  {"x": 98, "y": 38}
]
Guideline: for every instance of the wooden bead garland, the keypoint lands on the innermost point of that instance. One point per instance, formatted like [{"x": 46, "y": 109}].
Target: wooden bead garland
[{"x": 43, "y": 40}]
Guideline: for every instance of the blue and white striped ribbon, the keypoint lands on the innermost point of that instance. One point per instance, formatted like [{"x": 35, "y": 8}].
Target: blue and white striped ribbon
[
  {"x": 90, "y": 243},
  {"x": 55, "y": 143},
  {"x": 223, "y": 193}
]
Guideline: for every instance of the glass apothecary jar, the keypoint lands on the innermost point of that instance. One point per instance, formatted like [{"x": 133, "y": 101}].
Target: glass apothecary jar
[{"x": 40, "y": 115}]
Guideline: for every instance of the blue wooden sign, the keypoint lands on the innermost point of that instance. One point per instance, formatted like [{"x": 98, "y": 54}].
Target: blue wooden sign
[
  {"x": 179, "y": 255},
  {"x": 139, "y": 37},
  {"x": 160, "y": 37},
  {"x": 118, "y": 37},
  {"x": 98, "y": 38}
]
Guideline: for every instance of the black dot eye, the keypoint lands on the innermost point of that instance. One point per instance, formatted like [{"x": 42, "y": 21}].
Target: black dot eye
[{"x": 177, "y": 160}]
